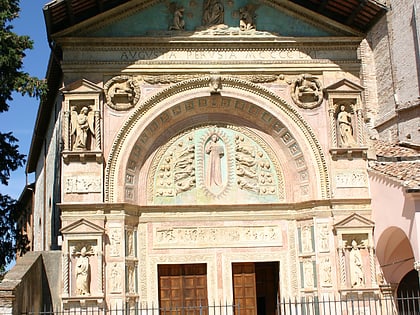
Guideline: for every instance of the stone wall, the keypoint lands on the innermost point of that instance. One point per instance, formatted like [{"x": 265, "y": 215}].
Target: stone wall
[
  {"x": 394, "y": 42},
  {"x": 22, "y": 289}
]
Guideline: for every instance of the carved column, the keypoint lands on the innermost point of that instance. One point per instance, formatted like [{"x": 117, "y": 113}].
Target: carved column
[
  {"x": 66, "y": 123},
  {"x": 333, "y": 127},
  {"x": 98, "y": 130},
  {"x": 372, "y": 265},
  {"x": 359, "y": 126},
  {"x": 342, "y": 262},
  {"x": 65, "y": 266}
]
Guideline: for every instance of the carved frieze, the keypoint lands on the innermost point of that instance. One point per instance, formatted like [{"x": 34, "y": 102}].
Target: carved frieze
[
  {"x": 122, "y": 92},
  {"x": 237, "y": 236}
]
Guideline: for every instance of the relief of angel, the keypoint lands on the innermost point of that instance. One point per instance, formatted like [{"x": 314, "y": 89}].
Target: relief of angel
[{"x": 82, "y": 127}]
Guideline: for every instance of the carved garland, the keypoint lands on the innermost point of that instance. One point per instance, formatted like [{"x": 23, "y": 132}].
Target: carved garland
[{"x": 200, "y": 84}]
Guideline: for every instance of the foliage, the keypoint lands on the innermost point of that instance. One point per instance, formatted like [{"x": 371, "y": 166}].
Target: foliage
[{"x": 12, "y": 79}]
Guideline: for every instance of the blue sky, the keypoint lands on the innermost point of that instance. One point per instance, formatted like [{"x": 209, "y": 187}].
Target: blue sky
[{"x": 20, "y": 118}]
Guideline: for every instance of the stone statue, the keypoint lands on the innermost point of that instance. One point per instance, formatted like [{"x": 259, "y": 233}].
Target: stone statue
[
  {"x": 178, "y": 23},
  {"x": 213, "y": 13},
  {"x": 82, "y": 273},
  {"x": 214, "y": 165},
  {"x": 82, "y": 127},
  {"x": 357, "y": 278},
  {"x": 345, "y": 128}
]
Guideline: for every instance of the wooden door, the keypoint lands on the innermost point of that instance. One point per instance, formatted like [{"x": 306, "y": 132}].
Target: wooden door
[
  {"x": 183, "y": 289},
  {"x": 244, "y": 288}
]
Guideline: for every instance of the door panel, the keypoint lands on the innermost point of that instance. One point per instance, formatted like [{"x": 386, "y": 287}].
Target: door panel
[
  {"x": 183, "y": 289},
  {"x": 244, "y": 291}
]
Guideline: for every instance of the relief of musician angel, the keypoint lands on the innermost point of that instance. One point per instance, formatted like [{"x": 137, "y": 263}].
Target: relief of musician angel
[{"x": 82, "y": 128}]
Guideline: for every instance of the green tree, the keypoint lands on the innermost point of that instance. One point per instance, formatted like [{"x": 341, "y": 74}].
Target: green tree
[{"x": 12, "y": 79}]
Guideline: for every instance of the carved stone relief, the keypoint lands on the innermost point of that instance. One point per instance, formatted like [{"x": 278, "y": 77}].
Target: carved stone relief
[
  {"x": 82, "y": 184},
  {"x": 116, "y": 278},
  {"x": 238, "y": 236},
  {"x": 306, "y": 91},
  {"x": 216, "y": 161},
  {"x": 325, "y": 268},
  {"x": 307, "y": 274},
  {"x": 122, "y": 92},
  {"x": 213, "y": 13},
  {"x": 115, "y": 241},
  {"x": 354, "y": 178},
  {"x": 323, "y": 238},
  {"x": 306, "y": 239}
]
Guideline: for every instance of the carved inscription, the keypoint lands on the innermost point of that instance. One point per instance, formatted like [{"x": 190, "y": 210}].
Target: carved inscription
[{"x": 186, "y": 237}]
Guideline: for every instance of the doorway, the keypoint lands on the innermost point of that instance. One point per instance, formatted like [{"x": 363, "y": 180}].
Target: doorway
[
  {"x": 183, "y": 289},
  {"x": 255, "y": 287}
]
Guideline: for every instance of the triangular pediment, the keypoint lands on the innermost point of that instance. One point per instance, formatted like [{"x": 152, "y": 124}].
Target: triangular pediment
[
  {"x": 82, "y": 226},
  {"x": 354, "y": 221},
  {"x": 82, "y": 86},
  {"x": 139, "y": 19},
  {"x": 344, "y": 86}
]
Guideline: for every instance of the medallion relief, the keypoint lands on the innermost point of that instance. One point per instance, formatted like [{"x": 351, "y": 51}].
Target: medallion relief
[
  {"x": 306, "y": 91},
  {"x": 122, "y": 92}
]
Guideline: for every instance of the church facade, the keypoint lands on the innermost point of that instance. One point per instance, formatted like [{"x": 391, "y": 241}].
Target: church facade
[{"x": 207, "y": 151}]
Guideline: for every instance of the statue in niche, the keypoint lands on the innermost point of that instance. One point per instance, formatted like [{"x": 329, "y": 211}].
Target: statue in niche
[
  {"x": 306, "y": 91},
  {"x": 215, "y": 152},
  {"x": 345, "y": 128},
  {"x": 178, "y": 23},
  {"x": 357, "y": 277},
  {"x": 213, "y": 13},
  {"x": 247, "y": 17},
  {"x": 82, "y": 272},
  {"x": 82, "y": 127}
]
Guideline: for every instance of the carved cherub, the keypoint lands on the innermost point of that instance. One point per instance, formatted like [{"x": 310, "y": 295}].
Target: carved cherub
[{"x": 82, "y": 125}]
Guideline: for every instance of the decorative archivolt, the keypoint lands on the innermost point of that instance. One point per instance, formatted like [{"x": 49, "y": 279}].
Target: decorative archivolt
[{"x": 190, "y": 89}]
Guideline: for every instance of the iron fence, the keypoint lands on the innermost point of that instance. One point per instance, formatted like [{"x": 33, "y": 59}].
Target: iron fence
[{"x": 371, "y": 305}]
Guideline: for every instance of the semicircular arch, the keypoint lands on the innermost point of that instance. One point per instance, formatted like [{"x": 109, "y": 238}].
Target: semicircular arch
[
  {"x": 395, "y": 254},
  {"x": 190, "y": 104}
]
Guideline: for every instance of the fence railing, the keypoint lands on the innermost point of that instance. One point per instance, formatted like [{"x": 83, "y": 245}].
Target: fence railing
[{"x": 372, "y": 305}]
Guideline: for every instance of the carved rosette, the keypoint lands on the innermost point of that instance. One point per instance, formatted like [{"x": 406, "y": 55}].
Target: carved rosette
[
  {"x": 122, "y": 92},
  {"x": 306, "y": 91}
]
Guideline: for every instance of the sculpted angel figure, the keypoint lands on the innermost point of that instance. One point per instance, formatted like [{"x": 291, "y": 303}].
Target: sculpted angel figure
[{"x": 82, "y": 125}]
